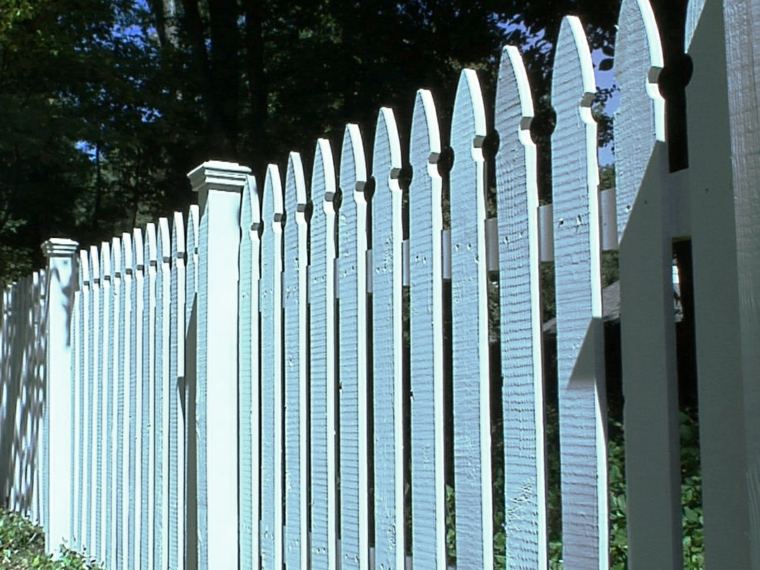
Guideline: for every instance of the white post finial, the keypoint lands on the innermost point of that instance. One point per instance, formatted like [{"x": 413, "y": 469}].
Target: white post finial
[
  {"x": 215, "y": 175},
  {"x": 220, "y": 185},
  {"x": 61, "y": 282}
]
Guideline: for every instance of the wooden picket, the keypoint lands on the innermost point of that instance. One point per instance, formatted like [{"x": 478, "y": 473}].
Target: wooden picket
[
  {"x": 352, "y": 330},
  {"x": 578, "y": 285},
  {"x": 323, "y": 375},
  {"x": 387, "y": 341},
  {"x": 249, "y": 338},
  {"x": 520, "y": 297},
  {"x": 470, "y": 322},
  {"x": 427, "y": 332},
  {"x": 136, "y": 398},
  {"x": 238, "y": 380},
  {"x": 295, "y": 289},
  {"x": 175, "y": 394}
]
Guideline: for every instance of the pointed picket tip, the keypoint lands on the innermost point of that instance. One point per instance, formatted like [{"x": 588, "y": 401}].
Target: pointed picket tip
[
  {"x": 116, "y": 266},
  {"x": 84, "y": 267},
  {"x": 127, "y": 253},
  {"x": 639, "y": 59},
  {"x": 514, "y": 102},
  {"x": 324, "y": 170},
  {"x": 573, "y": 68},
  {"x": 149, "y": 243},
  {"x": 94, "y": 264},
  {"x": 178, "y": 235},
  {"x": 139, "y": 252},
  {"x": 296, "y": 180},
  {"x": 164, "y": 246},
  {"x": 250, "y": 212},
  {"x": 353, "y": 166},
  {"x": 105, "y": 260},
  {"x": 693, "y": 15},
  {"x": 468, "y": 123},
  {"x": 193, "y": 226},
  {"x": 387, "y": 143},
  {"x": 425, "y": 140},
  {"x": 273, "y": 206}
]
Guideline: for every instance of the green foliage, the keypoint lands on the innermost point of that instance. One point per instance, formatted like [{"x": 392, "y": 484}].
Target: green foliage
[
  {"x": 22, "y": 547},
  {"x": 691, "y": 499}
]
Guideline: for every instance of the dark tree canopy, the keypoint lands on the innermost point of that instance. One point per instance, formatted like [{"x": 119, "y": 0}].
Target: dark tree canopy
[{"x": 106, "y": 104}]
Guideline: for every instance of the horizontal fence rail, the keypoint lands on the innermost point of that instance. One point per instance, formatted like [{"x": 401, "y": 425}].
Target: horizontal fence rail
[{"x": 350, "y": 368}]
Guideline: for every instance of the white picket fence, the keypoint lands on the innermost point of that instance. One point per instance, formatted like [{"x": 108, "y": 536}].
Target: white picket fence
[{"x": 231, "y": 388}]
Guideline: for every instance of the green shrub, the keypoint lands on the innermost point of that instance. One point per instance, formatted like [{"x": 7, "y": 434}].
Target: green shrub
[{"x": 22, "y": 547}]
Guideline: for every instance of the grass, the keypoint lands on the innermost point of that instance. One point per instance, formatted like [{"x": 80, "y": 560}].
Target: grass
[{"x": 22, "y": 546}]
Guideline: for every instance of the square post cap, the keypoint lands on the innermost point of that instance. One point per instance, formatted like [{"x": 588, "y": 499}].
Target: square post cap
[
  {"x": 218, "y": 175},
  {"x": 59, "y": 247}
]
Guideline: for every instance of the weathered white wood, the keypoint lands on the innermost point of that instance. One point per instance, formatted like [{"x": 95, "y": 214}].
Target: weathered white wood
[
  {"x": 295, "y": 285},
  {"x": 83, "y": 401},
  {"x": 724, "y": 109},
  {"x": 646, "y": 296},
  {"x": 426, "y": 334},
  {"x": 271, "y": 370},
  {"x": 162, "y": 389},
  {"x": 352, "y": 276},
  {"x": 469, "y": 291},
  {"x": 580, "y": 346},
  {"x": 136, "y": 397},
  {"x": 37, "y": 442},
  {"x": 250, "y": 361},
  {"x": 114, "y": 430},
  {"x": 125, "y": 505},
  {"x": 147, "y": 431},
  {"x": 190, "y": 515},
  {"x": 742, "y": 25},
  {"x": 520, "y": 298},
  {"x": 106, "y": 386},
  {"x": 93, "y": 489},
  {"x": 176, "y": 392},
  {"x": 219, "y": 185},
  {"x": 387, "y": 338},
  {"x": 74, "y": 431},
  {"x": 59, "y": 389},
  {"x": 324, "y": 516}
]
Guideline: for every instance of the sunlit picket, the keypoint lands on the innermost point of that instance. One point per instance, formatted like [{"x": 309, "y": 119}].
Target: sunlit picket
[{"x": 346, "y": 368}]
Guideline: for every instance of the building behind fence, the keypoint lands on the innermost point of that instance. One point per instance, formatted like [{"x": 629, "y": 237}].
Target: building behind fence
[{"x": 271, "y": 378}]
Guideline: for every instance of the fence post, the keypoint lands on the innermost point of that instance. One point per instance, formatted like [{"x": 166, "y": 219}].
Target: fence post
[
  {"x": 61, "y": 282},
  {"x": 219, "y": 186}
]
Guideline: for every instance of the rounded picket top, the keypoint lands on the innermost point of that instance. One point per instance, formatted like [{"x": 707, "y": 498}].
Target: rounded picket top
[
  {"x": 116, "y": 257},
  {"x": 149, "y": 243},
  {"x": 640, "y": 118},
  {"x": 425, "y": 137},
  {"x": 94, "y": 264},
  {"x": 178, "y": 236},
  {"x": 105, "y": 261},
  {"x": 139, "y": 251},
  {"x": 323, "y": 173},
  {"x": 163, "y": 241},
  {"x": 386, "y": 153},
  {"x": 353, "y": 166},
  {"x": 250, "y": 212},
  {"x": 694, "y": 11},
  {"x": 127, "y": 254},
  {"x": 514, "y": 103},
  {"x": 468, "y": 123},
  {"x": 273, "y": 206},
  {"x": 573, "y": 83},
  {"x": 296, "y": 195},
  {"x": 193, "y": 227},
  {"x": 638, "y": 50}
]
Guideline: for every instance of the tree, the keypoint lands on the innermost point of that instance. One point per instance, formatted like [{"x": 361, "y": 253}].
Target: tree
[{"x": 110, "y": 103}]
